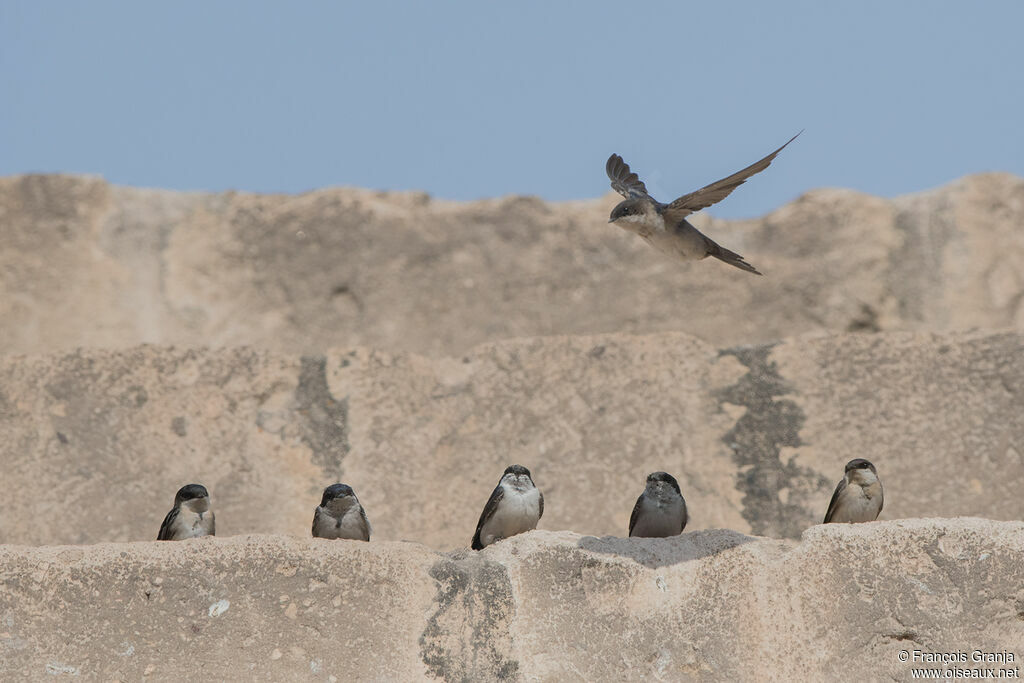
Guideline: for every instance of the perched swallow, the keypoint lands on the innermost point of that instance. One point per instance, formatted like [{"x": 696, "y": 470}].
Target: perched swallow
[
  {"x": 190, "y": 517},
  {"x": 664, "y": 226},
  {"x": 340, "y": 515},
  {"x": 515, "y": 506},
  {"x": 660, "y": 510},
  {"x": 858, "y": 497}
]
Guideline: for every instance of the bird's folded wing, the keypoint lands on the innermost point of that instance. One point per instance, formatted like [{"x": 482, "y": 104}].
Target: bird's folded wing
[
  {"x": 492, "y": 506},
  {"x": 165, "y": 528},
  {"x": 835, "y": 499},
  {"x": 366, "y": 522},
  {"x": 635, "y": 514}
]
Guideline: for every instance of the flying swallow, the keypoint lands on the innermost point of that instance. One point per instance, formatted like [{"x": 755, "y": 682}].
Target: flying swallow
[
  {"x": 515, "y": 506},
  {"x": 664, "y": 226},
  {"x": 858, "y": 496},
  {"x": 190, "y": 517},
  {"x": 660, "y": 510},
  {"x": 340, "y": 515}
]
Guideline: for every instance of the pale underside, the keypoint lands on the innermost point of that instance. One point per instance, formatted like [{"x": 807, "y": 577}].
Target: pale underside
[
  {"x": 681, "y": 241},
  {"x": 854, "y": 502},
  {"x": 350, "y": 523},
  {"x": 517, "y": 512},
  {"x": 190, "y": 524}
]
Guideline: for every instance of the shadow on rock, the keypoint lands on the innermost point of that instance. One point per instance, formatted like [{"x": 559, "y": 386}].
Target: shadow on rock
[{"x": 660, "y": 552}]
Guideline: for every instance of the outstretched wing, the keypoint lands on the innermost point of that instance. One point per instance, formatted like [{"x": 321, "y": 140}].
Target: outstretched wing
[
  {"x": 492, "y": 506},
  {"x": 835, "y": 499},
  {"x": 635, "y": 514},
  {"x": 165, "y": 528},
  {"x": 718, "y": 190},
  {"x": 624, "y": 181}
]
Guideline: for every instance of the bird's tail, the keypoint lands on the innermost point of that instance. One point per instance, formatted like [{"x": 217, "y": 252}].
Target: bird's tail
[{"x": 730, "y": 257}]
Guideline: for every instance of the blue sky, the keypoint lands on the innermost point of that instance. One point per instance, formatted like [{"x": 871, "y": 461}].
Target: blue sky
[{"x": 471, "y": 99}]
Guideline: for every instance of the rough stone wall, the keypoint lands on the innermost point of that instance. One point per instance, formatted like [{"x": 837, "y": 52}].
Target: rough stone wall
[
  {"x": 545, "y": 606},
  {"x": 85, "y": 263},
  {"x": 757, "y": 436},
  {"x": 267, "y": 346}
]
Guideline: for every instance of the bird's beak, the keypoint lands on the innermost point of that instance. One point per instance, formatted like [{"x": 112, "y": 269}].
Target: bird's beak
[{"x": 611, "y": 220}]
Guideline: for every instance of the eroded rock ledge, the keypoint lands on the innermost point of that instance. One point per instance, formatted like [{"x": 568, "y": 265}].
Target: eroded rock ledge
[
  {"x": 757, "y": 436},
  {"x": 708, "y": 605},
  {"x": 89, "y": 263}
]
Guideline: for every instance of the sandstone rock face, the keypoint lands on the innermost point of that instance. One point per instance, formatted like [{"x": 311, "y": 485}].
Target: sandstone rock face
[
  {"x": 708, "y": 605},
  {"x": 757, "y": 436},
  {"x": 267, "y": 346},
  {"x": 85, "y": 263}
]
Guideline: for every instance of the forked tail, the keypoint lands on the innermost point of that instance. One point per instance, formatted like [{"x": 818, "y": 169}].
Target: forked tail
[{"x": 730, "y": 257}]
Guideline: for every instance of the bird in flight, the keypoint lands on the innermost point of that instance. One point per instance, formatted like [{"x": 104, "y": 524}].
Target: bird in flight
[{"x": 664, "y": 226}]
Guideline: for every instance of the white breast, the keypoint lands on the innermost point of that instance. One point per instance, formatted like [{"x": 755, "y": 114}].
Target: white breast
[
  {"x": 350, "y": 525},
  {"x": 190, "y": 524},
  {"x": 517, "y": 512},
  {"x": 642, "y": 224},
  {"x": 854, "y": 505}
]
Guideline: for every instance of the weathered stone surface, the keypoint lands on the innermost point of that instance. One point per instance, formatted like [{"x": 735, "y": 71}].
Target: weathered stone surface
[
  {"x": 85, "y": 263},
  {"x": 363, "y": 337},
  {"x": 708, "y": 605},
  {"x": 757, "y": 436}
]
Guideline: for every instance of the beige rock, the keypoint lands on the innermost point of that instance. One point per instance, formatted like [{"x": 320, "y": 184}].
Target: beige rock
[
  {"x": 757, "y": 436},
  {"x": 85, "y": 263},
  {"x": 345, "y": 335},
  {"x": 708, "y": 605}
]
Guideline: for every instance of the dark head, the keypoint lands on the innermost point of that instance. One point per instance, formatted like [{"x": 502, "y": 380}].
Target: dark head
[
  {"x": 665, "y": 478},
  {"x": 516, "y": 470},
  {"x": 190, "y": 492},
  {"x": 860, "y": 471},
  {"x": 630, "y": 209},
  {"x": 518, "y": 477},
  {"x": 861, "y": 464},
  {"x": 336, "y": 491}
]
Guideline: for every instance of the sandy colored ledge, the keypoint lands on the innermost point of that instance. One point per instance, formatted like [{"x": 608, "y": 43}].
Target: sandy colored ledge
[{"x": 709, "y": 605}]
